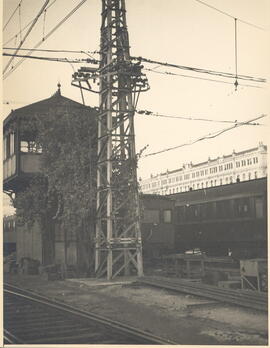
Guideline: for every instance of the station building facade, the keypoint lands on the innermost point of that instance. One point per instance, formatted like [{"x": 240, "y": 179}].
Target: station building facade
[{"x": 241, "y": 166}]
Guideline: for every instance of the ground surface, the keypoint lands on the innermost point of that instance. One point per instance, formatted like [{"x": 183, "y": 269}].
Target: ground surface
[{"x": 184, "y": 319}]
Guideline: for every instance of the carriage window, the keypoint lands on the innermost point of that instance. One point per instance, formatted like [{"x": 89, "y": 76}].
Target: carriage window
[
  {"x": 242, "y": 206},
  {"x": 151, "y": 216},
  {"x": 167, "y": 216},
  {"x": 259, "y": 207},
  {"x": 223, "y": 209},
  {"x": 181, "y": 214}
]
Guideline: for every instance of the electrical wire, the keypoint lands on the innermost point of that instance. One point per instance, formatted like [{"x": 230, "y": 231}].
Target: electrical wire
[
  {"x": 26, "y": 35},
  {"x": 94, "y": 61},
  {"x": 189, "y": 118},
  {"x": 26, "y": 26},
  {"x": 229, "y": 15},
  {"x": 52, "y": 50},
  {"x": 196, "y": 77},
  {"x": 207, "y": 136},
  {"x": 235, "y": 53},
  {"x": 13, "y": 13},
  {"x": 199, "y": 70},
  {"x": 46, "y": 37},
  {"x": 20, "y": 20},
  {"x": 54, "y": 59},
  {"x": 44, "y": 22}
]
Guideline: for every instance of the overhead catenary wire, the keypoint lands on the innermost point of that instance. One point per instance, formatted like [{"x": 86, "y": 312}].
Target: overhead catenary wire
[
  {"x": 52, "y": 50},
  {"x": 235, "y": 53},
  {"x": 47, "y": 36},
  {"x": 44, "y": 23},
  {"x": 205, "y": 137},
  {"x": 26, "y": 35},
  {"x": 197, "y": 77},
  {"x": 26, "y": 26},
  {"x": 190, "y": 118},
  {"x": 199, "y": 70},
  {"x": 229, "y": 15},
  {"x": 13, "y": 13},
  {"x": 20, "y": 19},
  {"x": 54, "y": 59}
]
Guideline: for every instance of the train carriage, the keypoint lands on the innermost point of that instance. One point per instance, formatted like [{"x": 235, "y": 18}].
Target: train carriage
[{"x": 222, "y": 220}]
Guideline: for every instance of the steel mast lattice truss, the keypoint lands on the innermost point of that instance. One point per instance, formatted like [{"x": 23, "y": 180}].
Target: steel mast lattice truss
[{"x": 118, "y": 247}]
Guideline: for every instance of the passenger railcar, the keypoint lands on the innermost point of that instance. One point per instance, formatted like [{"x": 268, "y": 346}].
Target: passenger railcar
[
  {"x": 157, "y": 226},
  {"x": 229, "y": 219}
]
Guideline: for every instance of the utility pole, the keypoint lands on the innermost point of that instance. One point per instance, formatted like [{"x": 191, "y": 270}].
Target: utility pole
[{"x": 118, "y": 248}]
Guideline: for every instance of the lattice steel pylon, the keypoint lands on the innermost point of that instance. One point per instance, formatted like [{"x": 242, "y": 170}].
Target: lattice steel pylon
[{"x": 118, "y": 247}]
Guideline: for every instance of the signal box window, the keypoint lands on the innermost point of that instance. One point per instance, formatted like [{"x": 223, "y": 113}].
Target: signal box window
[
  {"x": 167, "y": 216},
  {"x": 30, "y": 146},
  {"x": 9, "y": 145}
]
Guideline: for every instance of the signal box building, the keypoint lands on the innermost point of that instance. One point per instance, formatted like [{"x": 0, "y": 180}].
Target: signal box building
[{"x": 22, "y": 159}]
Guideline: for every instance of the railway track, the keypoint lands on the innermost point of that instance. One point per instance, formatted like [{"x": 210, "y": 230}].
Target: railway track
[
  {"x": 246, "y": 299},
  {"x": 30, "y": 318}
]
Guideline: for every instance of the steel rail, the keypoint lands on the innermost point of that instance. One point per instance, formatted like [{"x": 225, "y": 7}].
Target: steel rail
[
  {"x": 138, "y": 334},
  {"x": 211, "y": 289},
  {"x": 259, "y": 296},
  {"x": 10, "y": 338},
  {"x": 243, "y": 295},
  {"x": 208, "y": 293}
]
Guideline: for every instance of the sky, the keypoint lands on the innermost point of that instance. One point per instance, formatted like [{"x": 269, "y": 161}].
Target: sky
[{"x": 183, "y": 32}]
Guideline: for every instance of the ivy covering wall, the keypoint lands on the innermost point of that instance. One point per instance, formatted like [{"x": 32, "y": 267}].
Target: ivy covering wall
[{"x": 64, "y": 192}]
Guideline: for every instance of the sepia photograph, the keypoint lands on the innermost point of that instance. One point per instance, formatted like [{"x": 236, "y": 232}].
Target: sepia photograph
[{"x": 135, "y": 149}]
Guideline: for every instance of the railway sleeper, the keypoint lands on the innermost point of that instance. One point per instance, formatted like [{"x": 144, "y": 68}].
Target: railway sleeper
[
  {"x": 45, "y": 334},
  {"x": 49, "y": 329},
  {"x": 34, "y": 324},
  {"x": 89, "y": 337}
]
